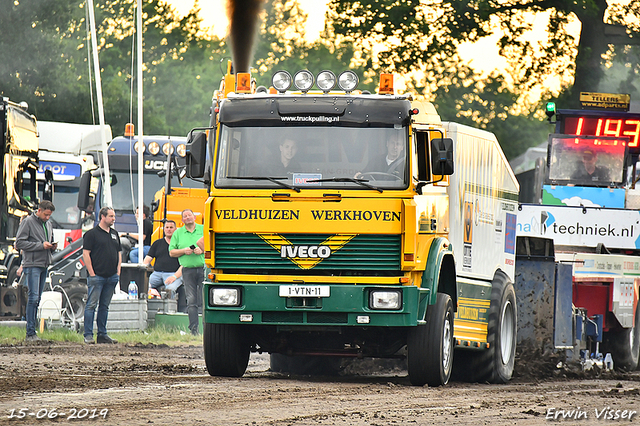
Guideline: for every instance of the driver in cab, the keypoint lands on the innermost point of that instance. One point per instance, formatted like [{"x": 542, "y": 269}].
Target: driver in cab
[
  {"x": 392, "y": 163},
  {"x": 587, "y": 169}
]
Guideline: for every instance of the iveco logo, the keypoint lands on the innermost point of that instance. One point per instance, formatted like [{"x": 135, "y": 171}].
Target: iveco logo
[{"x": 313, "y": 252}]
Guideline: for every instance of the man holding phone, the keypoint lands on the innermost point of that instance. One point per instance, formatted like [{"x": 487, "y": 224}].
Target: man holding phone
[
  {"x": 187, "y": 244},
  {"x": 35, "y": 239}
]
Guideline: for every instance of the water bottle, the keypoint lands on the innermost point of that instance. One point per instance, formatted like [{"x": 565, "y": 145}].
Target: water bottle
[{"x": 133, "y": 290}]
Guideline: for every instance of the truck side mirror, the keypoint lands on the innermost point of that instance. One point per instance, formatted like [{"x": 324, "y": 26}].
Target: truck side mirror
[
  {"x": 84, "y": 189},
  {"x": 442, "y": 156},
  {"x": 196, "y": 154},
  {"x": 47, "y": 189}
]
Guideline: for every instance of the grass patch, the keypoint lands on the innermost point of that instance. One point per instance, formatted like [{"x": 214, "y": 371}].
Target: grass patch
[{"x": 153, "y": 335}]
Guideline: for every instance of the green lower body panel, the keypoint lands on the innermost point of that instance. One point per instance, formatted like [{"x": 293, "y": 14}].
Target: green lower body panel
[
  {"x": 176, "y": 320},
  {"x": 341, "y": 305}
]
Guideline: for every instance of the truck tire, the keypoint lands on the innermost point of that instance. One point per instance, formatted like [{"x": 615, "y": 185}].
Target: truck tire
[
  {"x": 430, "y": 346},
  {"x": 624, "y": 346},
  {"x": 226, "y": 351},
  {"x": 494, "y": 364}
]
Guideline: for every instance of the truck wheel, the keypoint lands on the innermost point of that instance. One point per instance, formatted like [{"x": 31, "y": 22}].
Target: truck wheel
[
  {"x": 226, "y": 351},
  {"x": 430, "y": 346},
  {"x": 495, "y": 364},
  {"x": 624, "y": 346}
]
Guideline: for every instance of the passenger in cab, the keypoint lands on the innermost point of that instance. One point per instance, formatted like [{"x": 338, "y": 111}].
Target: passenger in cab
[{"x": 391, "y": 163}]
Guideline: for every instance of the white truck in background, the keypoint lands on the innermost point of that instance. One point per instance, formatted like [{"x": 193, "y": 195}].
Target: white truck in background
[{"x": 64, "y": 150}]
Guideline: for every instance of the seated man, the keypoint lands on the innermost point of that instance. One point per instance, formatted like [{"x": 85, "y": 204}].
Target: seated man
[
  {"x": 286, "y": 163},
  {"x": 167, "y": 271},
  {"x": 392, "y": 163},
  {"x": 129, "y": 240}
]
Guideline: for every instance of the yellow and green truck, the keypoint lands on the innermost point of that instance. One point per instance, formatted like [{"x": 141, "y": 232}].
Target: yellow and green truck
[{"x": 342, "y": 223}]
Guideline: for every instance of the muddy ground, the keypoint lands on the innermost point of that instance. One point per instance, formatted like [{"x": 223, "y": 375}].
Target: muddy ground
[{"x": 142, "y": 385}]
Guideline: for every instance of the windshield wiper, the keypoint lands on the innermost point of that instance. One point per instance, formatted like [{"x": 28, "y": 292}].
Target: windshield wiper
[
  {"x": 270, "y": 179},
  {"x": 347, "y": 179}
]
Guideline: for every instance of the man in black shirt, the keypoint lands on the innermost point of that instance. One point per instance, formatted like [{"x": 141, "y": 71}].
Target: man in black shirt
[
  {"x": 101, "y": 254},
  {"x": 589, "y": 171},
  {"x": 167, "y": 271}
]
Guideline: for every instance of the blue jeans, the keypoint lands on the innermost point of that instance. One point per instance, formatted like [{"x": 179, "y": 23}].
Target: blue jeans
[
  {"x": 101, "y": 290},
  {"x": 157, "y": 279},
  {"x": 35, "y": 283},
  {"x": 193, "y": 278},
  {"x": 133, "y": 254}
]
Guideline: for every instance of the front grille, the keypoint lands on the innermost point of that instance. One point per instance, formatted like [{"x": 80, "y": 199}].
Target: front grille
[
  {"x": 360, "y": 253},
  {"x": 311, "y": 317},
  {"x": 327, "y": 318},
  {"x": 295, "y": 317}
]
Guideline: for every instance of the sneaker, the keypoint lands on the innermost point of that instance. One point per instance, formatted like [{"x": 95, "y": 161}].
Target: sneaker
[
  {"x": 89, "y": 340},
  {"x": 33, "y": 338},
  {"x": 106, "y": 339}
]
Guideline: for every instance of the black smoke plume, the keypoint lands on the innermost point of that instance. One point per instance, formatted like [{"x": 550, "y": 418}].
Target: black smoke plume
[{"x": 243, "y": 26}]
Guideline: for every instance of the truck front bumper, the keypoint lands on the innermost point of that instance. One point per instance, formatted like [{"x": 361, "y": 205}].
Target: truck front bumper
[{"x": 289, "y": 305}]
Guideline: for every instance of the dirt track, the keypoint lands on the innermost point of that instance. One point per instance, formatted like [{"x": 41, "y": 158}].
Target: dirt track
[{"x": 141, "y": 385}]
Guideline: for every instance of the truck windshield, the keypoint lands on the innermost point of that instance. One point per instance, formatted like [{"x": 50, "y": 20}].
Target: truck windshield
[
  {"x": 587, "y": 161},
  {"x": 65, "y": 198},
  {"x": 312, "y": 157}
]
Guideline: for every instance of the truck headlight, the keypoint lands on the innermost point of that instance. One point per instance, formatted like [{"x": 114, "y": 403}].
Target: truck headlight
[
  {"x": 385, "y": 299},
  {"x": 224, "y": 296}
]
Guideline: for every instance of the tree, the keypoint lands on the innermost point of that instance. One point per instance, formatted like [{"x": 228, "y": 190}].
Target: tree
[
  {"x": 281, "y": 45},
  {"x": 416, "y": 33}
]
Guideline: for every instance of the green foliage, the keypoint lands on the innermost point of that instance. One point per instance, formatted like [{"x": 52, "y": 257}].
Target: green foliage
[
  {"x": 153, "y": 335},
  {"x": 489, "y": 104},
  {"x": 412, "y": 36},
  {"x": 47, "y": 63}
]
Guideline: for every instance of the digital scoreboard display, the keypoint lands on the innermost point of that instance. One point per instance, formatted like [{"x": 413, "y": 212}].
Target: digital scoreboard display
[{"x": 611, "y": 124}]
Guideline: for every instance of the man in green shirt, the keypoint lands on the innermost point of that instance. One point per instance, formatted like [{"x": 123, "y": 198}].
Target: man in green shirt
[{"x": 187, "y": 244}]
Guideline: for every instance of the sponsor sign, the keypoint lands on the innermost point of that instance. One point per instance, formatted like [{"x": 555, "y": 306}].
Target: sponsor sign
[
  {"x": 60, "y": 170},
  {"x": 615, "y": 101},
  {"x": 510, "y": 235},
  {"x": 581, "y": 226},
  {"x": 303, "y": 179}
]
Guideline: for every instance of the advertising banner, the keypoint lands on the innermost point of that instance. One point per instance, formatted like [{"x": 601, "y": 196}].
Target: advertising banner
[{"x": 581, "y": 226}]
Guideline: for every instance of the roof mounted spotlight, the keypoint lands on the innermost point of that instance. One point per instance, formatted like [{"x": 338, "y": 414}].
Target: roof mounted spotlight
[
  {"x": 137, "y": 147},
  {"x": 167, "y": 148},
  {"x": 154, "y": 148},
  {"x": 303, "y": 80},
  {"x": 281, "y": 81},
  {"x": 348, "y": 81},
  {"x": 326, "y": 80}
]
